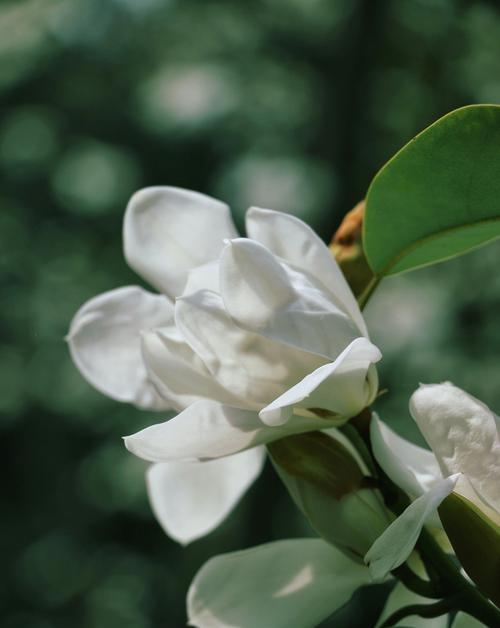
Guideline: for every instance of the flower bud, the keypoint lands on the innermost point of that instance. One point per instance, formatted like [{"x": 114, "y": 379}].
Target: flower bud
[
  {"x": 327, "y": 481},
  {"x": 347, "y": 248}
]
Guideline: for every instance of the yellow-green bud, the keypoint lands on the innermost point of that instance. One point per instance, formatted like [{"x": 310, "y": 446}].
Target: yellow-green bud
[{"x": 347, "y": 248}]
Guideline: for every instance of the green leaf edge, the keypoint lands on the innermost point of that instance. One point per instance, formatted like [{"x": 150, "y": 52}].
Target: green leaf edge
[
  {"x": 476, "y": 510},
  {"x": 386, "y": 270},
  {"x": 448, "y": 508}
]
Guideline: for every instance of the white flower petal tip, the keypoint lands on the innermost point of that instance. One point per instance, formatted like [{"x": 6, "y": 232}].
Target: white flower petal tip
[
  {"x": 412, "y": 468},
  {"x": 281, "y": 584},
  {"x": 463, "y": 433},
  {"x": 192, "y": 498},
  {"x": 167, "y": 231},
  {"x": 274, "y": 415},
  {"x": 394, "y": 546},
  {"x": 343, "y": 387},
  {"x": 105, "y": 343},
  {"x": 255, "y": 280}
]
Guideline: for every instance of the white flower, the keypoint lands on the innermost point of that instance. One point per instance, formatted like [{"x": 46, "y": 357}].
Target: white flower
[
  {"x": 248, "y": 336},
  {"x": 463, "y": 434}
]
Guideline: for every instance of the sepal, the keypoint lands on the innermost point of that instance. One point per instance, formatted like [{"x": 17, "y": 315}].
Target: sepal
[
  {"x": 327, "y": 481},
  {"x": 474, "y": 533}
]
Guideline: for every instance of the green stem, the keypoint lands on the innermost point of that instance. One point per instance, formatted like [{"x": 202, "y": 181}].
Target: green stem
[
  {"x": 437, "y": 562},
  {"x": 418, "y": 585},
  {"x": 364, "y": 297},
  {"x": 469, "y": 599},
  {"x": 358, "y": 443},
  {"x": 422, "y": 610}
]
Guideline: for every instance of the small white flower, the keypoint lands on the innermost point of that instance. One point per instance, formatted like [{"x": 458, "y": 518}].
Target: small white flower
[
  {"x": 252, "y": 339},
  {"x": 463, "y": 434}
]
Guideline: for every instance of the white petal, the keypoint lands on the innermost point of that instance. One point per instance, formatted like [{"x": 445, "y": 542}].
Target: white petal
[
  {"x": 205, "y": 277},
  {"x": 104, "y": 340},
  {"x": 394, "y": 546},
  {"x": 191, "y": 498},
  {"x": 343, "y": 387},
  {"x": 208, "y": 430},
  {"x": 255, "y": 369},
  {"x": 400, "y": 596},
  {"x": 412, "y": 468},
  {"x": 262, "y": 295},
  {"x": 464, "y": 435},
  {"x": 467, "y": 490},
  {"x": 177, "y": 372},
  {"x": 292, "y": 240},
  {"x": 253, "y": 282},
  {"x": 167, "y": 231},
  {"x": 287, "y": 583}
]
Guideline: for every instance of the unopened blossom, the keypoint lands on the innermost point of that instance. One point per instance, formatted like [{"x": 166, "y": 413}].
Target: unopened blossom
[
  {"x": 464, "y": 435},
  {"x": 249, "y": 339}
]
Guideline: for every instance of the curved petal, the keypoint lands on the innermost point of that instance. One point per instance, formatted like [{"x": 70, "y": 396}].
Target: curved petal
[
  {"x": 287, "y": 583},
  {"x": 264, "y": 296},
  {"x": 463, "y": 433},
  {"x": 252, "y": 367},
  {"x": 204, "y": 277},
  {"x": 104, "y": 341},
  {"x": 343, "y": 387},
  {"x": 191, "y": 498},
  {"x": 177, "y": 372},
  {"x": 412, "y": 468},
  {"x": 295, "y": 242},
  {"x": 394, "y": 546},
  {"x": 400, "y": 596},
  {"x": 209, "y": 430},
  {"x": 167, "y": 231}
]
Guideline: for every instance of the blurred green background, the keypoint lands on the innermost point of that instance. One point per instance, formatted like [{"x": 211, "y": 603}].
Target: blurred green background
[{"x": 287, "y": 104}]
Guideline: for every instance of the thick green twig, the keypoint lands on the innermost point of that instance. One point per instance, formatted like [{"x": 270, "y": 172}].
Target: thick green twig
[
  {"x": 418, "y": 585},
  {"x": 469, "y": 599}
]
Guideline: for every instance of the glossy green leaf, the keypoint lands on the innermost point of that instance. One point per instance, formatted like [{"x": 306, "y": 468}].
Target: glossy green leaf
[
  {"x": 476, "y": 541},
  {"x": 439, "y": 196}
]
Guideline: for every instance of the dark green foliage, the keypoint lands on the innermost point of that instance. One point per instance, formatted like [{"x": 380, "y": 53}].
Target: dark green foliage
[{"x": 293, "y": 105}]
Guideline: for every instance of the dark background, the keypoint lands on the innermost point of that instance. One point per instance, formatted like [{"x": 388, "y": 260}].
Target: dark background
[{"x": 288, "y": 104}]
